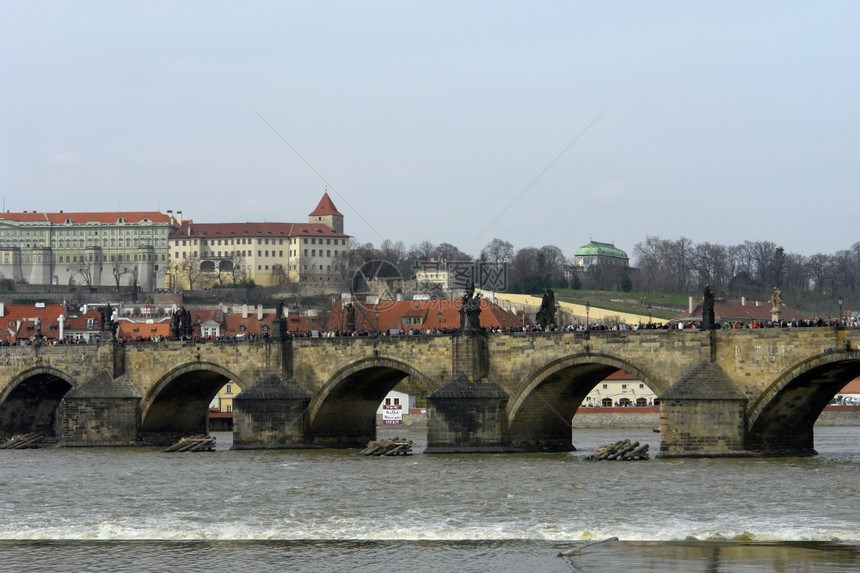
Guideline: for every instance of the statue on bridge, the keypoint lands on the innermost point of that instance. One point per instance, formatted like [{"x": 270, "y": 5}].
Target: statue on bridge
[
  {"x": 106, "y": 322},
  {"x": 546, "y": 314},
  {"x": 708, "y": 318},
  {"x": 776, "y": 305},
  {"x": 350, "y": 317},
  {"x": 470, "y": 311},
  {"x": 181, "y": 323}
]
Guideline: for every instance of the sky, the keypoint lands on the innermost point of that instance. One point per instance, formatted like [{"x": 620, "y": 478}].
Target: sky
[{"x": 539, "y": 123}]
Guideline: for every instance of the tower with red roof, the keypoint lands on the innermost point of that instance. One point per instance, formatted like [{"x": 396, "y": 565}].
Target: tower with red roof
[{"x": 327, "y": 214}]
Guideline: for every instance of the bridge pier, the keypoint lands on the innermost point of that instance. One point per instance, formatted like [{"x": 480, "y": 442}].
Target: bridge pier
[
  {"x": 100, "y": 412},
  {"x": 467, "y": 414},
  {"x": 465, "y": 417},
  {"x": 703, "y": 415},
  {"x": 271, "y": 414}
]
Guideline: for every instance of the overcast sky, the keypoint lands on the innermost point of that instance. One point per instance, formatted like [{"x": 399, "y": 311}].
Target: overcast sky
[{"x": 541, "y": 123}]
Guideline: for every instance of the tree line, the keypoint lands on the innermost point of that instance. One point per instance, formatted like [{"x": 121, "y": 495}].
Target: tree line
[{"x": 751, "y": 269}]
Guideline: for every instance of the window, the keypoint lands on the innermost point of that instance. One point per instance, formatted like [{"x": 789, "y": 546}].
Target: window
[
  {"x": 229, "y": 389},
  {"x": 605, "y": 386},
  {"x": 624, "y": 386},
  {"x": 397, "y": 401}
]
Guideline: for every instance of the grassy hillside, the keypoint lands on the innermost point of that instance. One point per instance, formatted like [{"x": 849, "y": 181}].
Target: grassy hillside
[{"x": 663, "y": 306}]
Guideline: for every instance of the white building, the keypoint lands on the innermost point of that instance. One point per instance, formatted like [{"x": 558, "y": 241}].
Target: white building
[{"x": 620, "y": 389}]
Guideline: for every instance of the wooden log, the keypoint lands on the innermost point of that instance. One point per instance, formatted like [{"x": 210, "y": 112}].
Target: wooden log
[
  {"x": 193, "y": 444},
  {"x": 22, "y": 441},
  {"x": 620, "y": 450},
  {"x": 387, "y": 448}
]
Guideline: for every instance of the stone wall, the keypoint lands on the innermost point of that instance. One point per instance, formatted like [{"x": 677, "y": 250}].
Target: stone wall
[{"x": 617, "y": 418}]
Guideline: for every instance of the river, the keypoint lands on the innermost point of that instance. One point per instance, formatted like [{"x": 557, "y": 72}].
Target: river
[{"x": 138, "y": 509}]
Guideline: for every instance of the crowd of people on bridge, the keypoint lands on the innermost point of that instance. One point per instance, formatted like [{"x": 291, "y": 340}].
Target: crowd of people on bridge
[{"x": 595, "y": 326}]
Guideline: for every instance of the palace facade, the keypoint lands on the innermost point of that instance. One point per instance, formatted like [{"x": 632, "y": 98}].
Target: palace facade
[
  {"x": 267, "y": 254},
  {"x": 91, "y": 249}
]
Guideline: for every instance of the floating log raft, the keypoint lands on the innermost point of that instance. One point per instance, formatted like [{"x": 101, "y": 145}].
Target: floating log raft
[
  {"x": 193, "y": 444},
  {"x": 22, "y": 441},
  {"x": 621, "y": 450},
  {"x": 395, "y": 447}
]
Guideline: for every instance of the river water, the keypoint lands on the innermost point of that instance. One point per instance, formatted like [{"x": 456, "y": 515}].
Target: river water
[{"x": 138, "y": 509}]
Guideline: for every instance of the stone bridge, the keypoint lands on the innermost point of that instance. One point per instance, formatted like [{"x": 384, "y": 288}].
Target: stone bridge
[{"x": 722, "y": 392}]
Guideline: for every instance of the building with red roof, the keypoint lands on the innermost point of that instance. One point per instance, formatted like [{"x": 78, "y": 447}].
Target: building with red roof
[
  {"x": 205, "y": 254},
  {"x": 90, "y": 249},
  {"x": 402, "y": 317},
  {"x": 743, "y": 312}
]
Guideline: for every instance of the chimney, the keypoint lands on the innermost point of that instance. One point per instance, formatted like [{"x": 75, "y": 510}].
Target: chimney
[
  {"x": 259, "y": 312},
  {"x": 179, "y": 217},
  {"x": 690, "y": 306},
  {"x": 245, "y": 311},
  {"x": 743, "y": 301}
]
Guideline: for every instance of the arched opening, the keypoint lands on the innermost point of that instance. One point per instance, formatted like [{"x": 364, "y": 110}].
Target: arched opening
[
  {"x": 542, "y": 418},
  {"x": 783, "y": 422},
  {"x": 207, "y": 266},
  {"x": 345, "y": 415},
  {"x": 179, "y": 406},
  {"x": 31, "y": 407}
]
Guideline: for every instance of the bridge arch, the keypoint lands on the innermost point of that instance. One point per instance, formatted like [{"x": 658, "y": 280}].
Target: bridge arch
[
  {"x": 540, "y": 416},
  {"x": 178, "y": 404},
  {"x": 343, "y": 413},
  {"x": 30, "y": 401},
  {"x": 782, "y": 418}
]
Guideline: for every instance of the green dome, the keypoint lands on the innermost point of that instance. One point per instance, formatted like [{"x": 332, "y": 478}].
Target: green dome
[{"x": 593, "y": 248}]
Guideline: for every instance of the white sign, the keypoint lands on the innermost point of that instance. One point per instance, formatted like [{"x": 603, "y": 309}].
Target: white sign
[{"x": 392, "y": 415}]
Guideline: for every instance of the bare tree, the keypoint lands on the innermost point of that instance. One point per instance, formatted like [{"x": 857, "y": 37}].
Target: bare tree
[
  {"x": 118, "y": 268},
  {"x": 498, "y": 251},
  {"x": 818, "y": 270},
  {"x": 551, "y": 263},
  {"x": 392, "y": 252},
  {"x": 450, "y": 253},
  {"x": 189, "y": 269},
  {"x": 279, "y": 274},
  {"x": 524, "y": 272},
  {"x": 83, "y": 271},
  {"x": 237, "y": 268}
]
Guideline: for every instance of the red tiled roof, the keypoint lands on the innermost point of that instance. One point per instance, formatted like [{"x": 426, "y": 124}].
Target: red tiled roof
[
  {"x": 444, "y": 314},
  {"x": 325, "y": 207},
  {"x": 79, "y": 322},
  {"x": 85, "y": 217},
  {"x": 261, "y": 230},
  {"x": 18, "y": 321},
  {"x": 236, "y": 325},
  {"x": 128, "y": 329}
]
